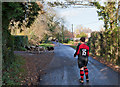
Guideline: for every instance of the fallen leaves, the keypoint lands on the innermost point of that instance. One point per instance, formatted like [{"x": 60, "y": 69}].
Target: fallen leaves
[
  {"x": 109, "y": 64},
  {"x": 35, "y": 66}
]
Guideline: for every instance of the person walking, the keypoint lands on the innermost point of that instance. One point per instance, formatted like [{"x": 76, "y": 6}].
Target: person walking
[{"x": 83, "y": 52}]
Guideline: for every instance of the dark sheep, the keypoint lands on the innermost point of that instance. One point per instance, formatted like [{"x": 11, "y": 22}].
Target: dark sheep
[{"x": 50, "y": 48}]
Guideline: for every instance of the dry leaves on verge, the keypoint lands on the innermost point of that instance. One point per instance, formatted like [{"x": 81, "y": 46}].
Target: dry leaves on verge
[
  {"x": 109, "y": 64},
  {"x": 35, "y": 66}
]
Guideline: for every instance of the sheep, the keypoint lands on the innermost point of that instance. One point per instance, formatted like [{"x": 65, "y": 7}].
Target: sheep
[
  {"x": 50, "y": 49},
  {"x": 35, "y": 48},
  {"x": 28, "y": 48},
  {"x": 41, "y": 49}
]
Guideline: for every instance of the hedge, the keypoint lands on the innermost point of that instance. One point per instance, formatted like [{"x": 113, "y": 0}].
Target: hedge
[
  {"x": 7, "y": 48},
  {"x": 20, "y": 41},
  {"x": 106, "y": 44}
]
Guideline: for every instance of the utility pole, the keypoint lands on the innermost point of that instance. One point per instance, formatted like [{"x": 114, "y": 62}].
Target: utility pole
[
  {"x": 72, "y": 32},
  {"x": 62, "y": 33}
]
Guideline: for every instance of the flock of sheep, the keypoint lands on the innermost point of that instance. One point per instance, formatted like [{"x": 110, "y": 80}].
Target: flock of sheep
[{"x": 39, "y": 49}]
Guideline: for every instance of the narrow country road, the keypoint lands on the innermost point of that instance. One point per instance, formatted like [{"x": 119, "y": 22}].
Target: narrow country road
[{"x": 63, "y": 70}]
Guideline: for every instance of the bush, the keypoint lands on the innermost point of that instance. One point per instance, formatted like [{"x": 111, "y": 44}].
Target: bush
[
  {"x": 7, "y": 48},
  {"x": 21, "y": 49},
  {"x": 71, "y": 42},
  {"x": 105, "y": 44},
  {"x": 14, "y": 74},
  {"x": 82, "y": 34},
  {"x": 20, "y": 42},
  {"x": 66, "y": 40}
]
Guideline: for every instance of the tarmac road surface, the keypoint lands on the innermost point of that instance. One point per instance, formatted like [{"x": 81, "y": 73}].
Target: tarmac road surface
[{"x": 63, "y": 70}]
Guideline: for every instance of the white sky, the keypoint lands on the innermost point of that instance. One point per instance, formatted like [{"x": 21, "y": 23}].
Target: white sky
[{"x": 87, "y": 17}]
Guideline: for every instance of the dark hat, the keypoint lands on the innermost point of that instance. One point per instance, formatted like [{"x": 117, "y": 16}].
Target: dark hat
[{"x": 82, "y": 39}]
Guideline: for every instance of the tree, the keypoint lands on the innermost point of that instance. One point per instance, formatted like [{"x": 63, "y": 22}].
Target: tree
[
  {"x": 82, "y": 31},
  {"x": 108, "y": 13},
  {"x": 47, "y": 24},
  {"x": 14, "y": 12},
  {"x": 67, "y": 34},
  {"x": 67, "y": 3},
  {"x": 82, "y": 34}
]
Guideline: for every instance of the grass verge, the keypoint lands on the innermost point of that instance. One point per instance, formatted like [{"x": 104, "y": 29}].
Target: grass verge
[
  {"x": 20, "y": 49},
  {"x": 46, "y": 45},
  {"x": 15, "y": 74},
  {"x": 73, "y": 47}
]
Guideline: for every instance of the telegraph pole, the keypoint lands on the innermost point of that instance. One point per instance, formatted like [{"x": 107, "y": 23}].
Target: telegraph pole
[
  {"x": 62, "y": 33},
  {"x": 72, "y": 32}
]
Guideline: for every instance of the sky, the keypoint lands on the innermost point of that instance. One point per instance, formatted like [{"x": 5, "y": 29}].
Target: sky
[{"x": 87, "y": 17}]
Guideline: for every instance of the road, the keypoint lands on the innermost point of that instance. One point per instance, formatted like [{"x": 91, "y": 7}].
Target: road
[{"x": 63, "y": 70}]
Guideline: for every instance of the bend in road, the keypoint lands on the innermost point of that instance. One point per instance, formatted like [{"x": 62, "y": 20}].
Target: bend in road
[{"x": 63, "y": 70}]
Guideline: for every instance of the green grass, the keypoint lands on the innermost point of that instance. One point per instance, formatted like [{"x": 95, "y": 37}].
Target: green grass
[
  {"x": 20, "y": 49},
  {"x": 48, "y": 42},
  {"x": 74, "y": 47},
  {"x": 45, "y": 45},
  {"x": 15, "y": 73},
  {"x": 70, "y": 42}
]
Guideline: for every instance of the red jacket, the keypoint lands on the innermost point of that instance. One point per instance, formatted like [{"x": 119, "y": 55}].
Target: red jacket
[{"x": 82, "y": 50}]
